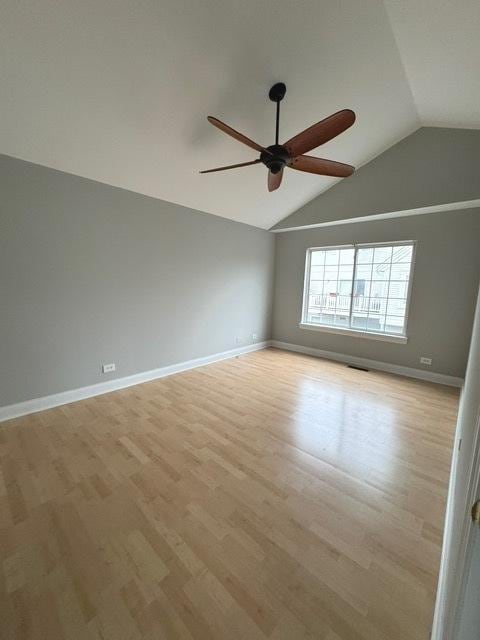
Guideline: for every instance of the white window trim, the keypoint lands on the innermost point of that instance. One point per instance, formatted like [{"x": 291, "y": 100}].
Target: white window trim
[
  {"x": 371, "y": 335},
  {"x": 357, "y": 333}
]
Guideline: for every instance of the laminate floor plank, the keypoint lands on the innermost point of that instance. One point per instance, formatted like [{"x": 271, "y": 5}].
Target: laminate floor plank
[{"x": 273, "y": 495}]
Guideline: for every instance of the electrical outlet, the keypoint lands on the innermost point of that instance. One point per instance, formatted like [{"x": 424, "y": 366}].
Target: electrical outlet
[
  {"x": 426, "y": 360},
  {"x": 107, "y": 368},
  {"x": 254, "y": 337}
]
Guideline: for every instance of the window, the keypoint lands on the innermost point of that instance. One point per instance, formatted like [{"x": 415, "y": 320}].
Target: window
[{"x": 362, "y": 289}]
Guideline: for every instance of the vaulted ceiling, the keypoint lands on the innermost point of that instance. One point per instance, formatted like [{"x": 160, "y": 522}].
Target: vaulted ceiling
[
  {"x": 119, "y": 91},
  {"x": 439, "y": 44}
]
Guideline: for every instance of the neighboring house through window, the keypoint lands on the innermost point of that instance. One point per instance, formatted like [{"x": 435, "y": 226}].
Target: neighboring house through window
[{"x": 359, "y": 288}]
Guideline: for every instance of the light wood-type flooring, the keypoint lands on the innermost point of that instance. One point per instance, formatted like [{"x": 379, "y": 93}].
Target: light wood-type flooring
[{"x": 272, "y": 495}]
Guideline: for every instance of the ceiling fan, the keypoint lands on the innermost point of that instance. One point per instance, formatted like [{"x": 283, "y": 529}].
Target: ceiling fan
[{"x": 291, "y": 154}]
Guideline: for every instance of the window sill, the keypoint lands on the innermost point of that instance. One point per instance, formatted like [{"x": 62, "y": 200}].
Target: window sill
[{"x": 355, "y": 333}]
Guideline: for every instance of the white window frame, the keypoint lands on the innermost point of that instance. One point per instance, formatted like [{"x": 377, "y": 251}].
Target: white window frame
[{"x": 359, "y": 333}]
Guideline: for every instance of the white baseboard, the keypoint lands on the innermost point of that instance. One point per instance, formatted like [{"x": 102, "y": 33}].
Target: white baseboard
[
  {"x": 430, "y": 376},
  {"x": 65, "y": 397}
]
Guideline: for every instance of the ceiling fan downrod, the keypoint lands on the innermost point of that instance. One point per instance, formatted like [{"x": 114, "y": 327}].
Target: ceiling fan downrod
[{"x": 277, "y": 94}]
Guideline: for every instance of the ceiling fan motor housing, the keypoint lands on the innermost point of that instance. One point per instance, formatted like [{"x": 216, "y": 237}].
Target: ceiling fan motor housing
[{"x": 276, "y": 159}]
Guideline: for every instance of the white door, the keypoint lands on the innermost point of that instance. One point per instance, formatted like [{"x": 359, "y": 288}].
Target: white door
[
  {"x": 457, "y": 610},
  {"x": 468, "y": 621}
]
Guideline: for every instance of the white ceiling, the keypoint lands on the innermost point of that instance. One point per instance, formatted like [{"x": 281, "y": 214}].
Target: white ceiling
[
  {"x": 439, "y": 42},
  {"x": 119, "y": 91}
]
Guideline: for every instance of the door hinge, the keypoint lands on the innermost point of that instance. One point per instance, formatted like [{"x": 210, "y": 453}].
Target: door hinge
[{"x": 476, "y": 512}]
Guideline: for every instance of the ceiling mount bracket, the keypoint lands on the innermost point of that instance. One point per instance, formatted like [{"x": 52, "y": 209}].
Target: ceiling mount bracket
[{"x": 277, "y": 92}]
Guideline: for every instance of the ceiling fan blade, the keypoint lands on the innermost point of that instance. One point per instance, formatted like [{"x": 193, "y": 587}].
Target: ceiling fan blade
[
  {"x": 232, "y": 166},
  {"x": 235, "y": 134},
  {"x": 321, "y": 166},
  {"x": 320, "y": 133},
  {"x": 274, "y": 180}
]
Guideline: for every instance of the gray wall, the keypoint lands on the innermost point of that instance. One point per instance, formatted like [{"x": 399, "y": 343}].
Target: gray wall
[
  {"x": 430, "y": 166},
  {"x": 445, "y": 284},
  {"x": 92, "y": 274}
]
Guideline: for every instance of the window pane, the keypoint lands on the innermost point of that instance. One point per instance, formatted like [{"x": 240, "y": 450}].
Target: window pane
[
  {"x": 359, "y": 320},
  {"x": 403, "y": 253},
  {"x": 345, "y": 272},
  {"x": 400, "y": 271},
  {"x": 343, "y": 303},
  {"x": 381, "y": 271},
  {"x": 360, "y": 305},
  {"x": 361, "y": 288},
  {"x": 331, "y": 273},
  {"x": 394, "y": 325},
  {"x": 318, "y": 258},
  {"x": 317, "y": 272},
  {"x": 324, "y": 318},
  {"x": 344, "y": 287},
  {"x": 376, "y": 324},
  {"x": 382, "y": 254},
  {"x": 377, "y": 306},
  {"x": 342, "y": 320},
  {"x": 379, "y": 289},
  {"x": 363, "y": 272},
  {"x": 396, "y": 307},
  {"x": 398, "y": 289},
  {"x": 330, "y": 286},
  {"x": 365, "y": 255},
  {"x": 346, "y": 256},
  {"x": 316, "y": 287},
  {"x": 332, "y": 256},
  {"x": 315, "y": 302},
  {"x": 380, "y": 303}
]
